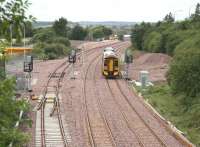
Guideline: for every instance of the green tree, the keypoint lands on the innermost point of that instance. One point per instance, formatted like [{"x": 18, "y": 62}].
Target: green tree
[
  {"x": 9, "y": 111},
  {"x": 153, "y": 42},
  {"x": 184, "y": 71},
  {"x": 60, "y": 27},
  {"x": 196, "y": 16},
  {"x": 43, "y": 35},
  {"x": 78, "y": 33},
  {"x": 12, "y": 15},
  {"x": 107, "y": 31},
  {"x": 138, "y": 34},
  {"x": 121, "y": 37},
  {"x": 169, "y": 18},
  {"x": 101, "y": 32}
]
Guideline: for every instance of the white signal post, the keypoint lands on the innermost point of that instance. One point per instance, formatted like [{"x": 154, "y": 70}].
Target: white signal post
[{"x": 24, "y": 41}]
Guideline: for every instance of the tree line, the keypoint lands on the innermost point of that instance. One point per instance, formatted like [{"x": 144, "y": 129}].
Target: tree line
[
  {"x": 53, "y": 42},
  {"x": 166, "y": 35},
  {"x": 181, "y": 40}
]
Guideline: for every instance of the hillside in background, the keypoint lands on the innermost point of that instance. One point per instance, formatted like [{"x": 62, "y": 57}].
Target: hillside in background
[
  {"x": 107, "y": 23},
  {"x": 87, "y": 23}
]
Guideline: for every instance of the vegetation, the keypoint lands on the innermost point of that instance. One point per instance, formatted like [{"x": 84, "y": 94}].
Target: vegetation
[
  {"x": 60, "y": 27},
  {"x": 9, "y": 112},
  {"x": 101, "y": 32},
  {"x": 50, "y": 51},
  {"x": 184, "y": 72},
  {"x": 164, "y": 36},
  {"x": 12, "y": 16},
  {"x": 172, "y": 108},
  {"x": 179, "y": 100},
  {"x": 51, "y": 42},
  {"x": 78, "y": 33}
]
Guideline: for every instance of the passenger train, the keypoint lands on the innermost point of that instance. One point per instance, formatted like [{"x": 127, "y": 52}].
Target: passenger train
[{"x": 110, "y": 63}]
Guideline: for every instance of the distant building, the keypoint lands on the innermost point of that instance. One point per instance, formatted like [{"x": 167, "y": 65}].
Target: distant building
[
  {"x": 113, "y": 37},
  {"x": 127, "y": 37}
]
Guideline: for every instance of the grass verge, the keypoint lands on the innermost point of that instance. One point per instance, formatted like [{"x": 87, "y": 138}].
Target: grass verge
[{"x": 173, "y": 109}]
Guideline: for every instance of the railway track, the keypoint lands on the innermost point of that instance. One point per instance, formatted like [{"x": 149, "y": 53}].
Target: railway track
[
  {"x": 98, "y": 129},
  {"x": 145, "y": 135},
  {"x": 49, "y": 129},
  {"x": 115, "y": 92},
  {"x": 159, "y": 129}
]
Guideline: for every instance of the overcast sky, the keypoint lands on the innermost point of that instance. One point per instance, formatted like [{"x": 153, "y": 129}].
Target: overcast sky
[{"x": 110, "y": 10}]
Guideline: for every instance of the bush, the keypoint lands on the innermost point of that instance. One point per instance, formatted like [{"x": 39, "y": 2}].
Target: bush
[
  {"x": 192, "y": 41},
  {"x": 61, "y": 40},
  {"x": 153, "y": 42},
  {"x": 50, "y": 51},
  {"x": 43, "y": 35},
  {"x": 184, "y": 72},
  {"x": 78, "y": 33},
  {"x": 9, "y": 111}
]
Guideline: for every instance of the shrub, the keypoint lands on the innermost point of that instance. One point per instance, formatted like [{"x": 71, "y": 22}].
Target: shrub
[
  {"x": 50, "y": 51},
  {"x": 184, "y": 72},
  {"x": 153, "y": 42},
  {"x": 192, "y": 41},
  {"x": 61, "y": 40},
  {"x": 43, "y": 35}
]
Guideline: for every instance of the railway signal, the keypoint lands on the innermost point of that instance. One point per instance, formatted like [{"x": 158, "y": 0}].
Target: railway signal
[
  {"x": 28, "y": 68},
  {"x": 128, "y": 60},
  {"x": 72, "y": 56},
  {"x": 72, "y": 59}
]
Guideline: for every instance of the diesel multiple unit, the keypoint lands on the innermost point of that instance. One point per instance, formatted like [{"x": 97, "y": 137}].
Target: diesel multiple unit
[{"x": 110, "y": 63}]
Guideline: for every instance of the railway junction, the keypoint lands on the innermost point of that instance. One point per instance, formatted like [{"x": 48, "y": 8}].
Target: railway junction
[{"x": 90, "y": 110}]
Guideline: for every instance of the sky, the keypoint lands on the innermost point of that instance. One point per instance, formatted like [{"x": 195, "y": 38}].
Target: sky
[{"x": 111, "y": 10}]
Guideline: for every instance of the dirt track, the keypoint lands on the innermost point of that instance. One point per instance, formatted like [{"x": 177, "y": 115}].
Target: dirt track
[{"x": 155, "y": 63}]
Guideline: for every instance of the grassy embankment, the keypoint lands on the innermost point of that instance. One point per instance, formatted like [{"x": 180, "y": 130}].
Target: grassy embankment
[{"x": 171, "y": 107}]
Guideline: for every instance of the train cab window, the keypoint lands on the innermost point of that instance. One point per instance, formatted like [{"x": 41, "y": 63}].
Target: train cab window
[
  {"x": 105, "y": 62},
  {"x": 116, "y": 63}
]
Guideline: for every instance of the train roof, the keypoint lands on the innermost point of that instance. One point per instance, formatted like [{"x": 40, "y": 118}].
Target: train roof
[
  {"x": 108, "y": 54},
  {"x": 109, "y": 49}
]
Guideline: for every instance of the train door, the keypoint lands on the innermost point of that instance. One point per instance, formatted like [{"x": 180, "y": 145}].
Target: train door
[{"x": 111, "y": 65}]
